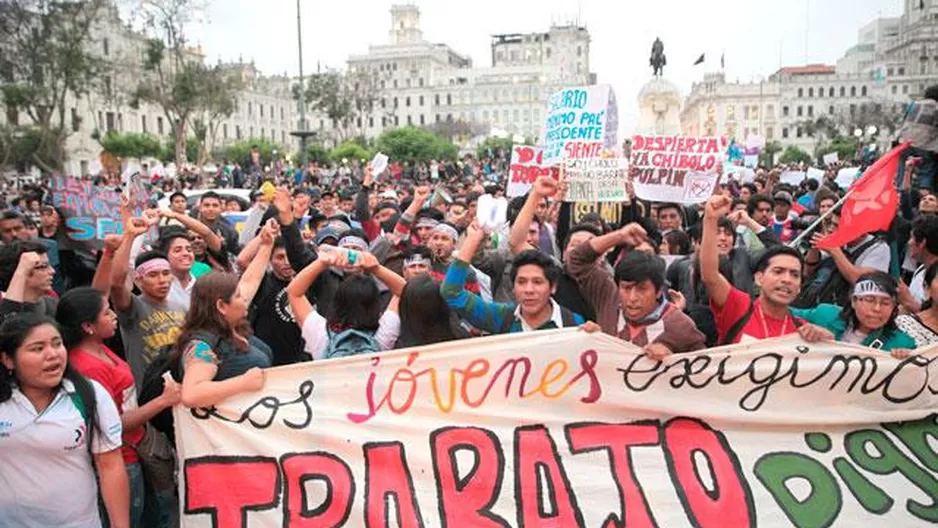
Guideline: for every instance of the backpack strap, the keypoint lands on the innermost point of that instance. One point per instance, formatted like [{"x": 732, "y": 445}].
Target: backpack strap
[
  {"x": 855, "y": 254},
  {"x": 737, "y": 327},
  {"x": 79, "y": 404}
]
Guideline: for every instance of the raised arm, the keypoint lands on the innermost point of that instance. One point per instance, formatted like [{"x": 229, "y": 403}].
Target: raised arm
[
  {"x": 102, "y": 275},
  {"x": 296, "y": 290},
  {"x": 543, "y": 188},
  {"x": 121, "y": 294},
  {"x": 254, "y": 274},
  {"x": 212, "y": 240},
  {"x": 198, "y": 386},
  {"x": 392, "y": 280},
  {"x": 717, "y": 286}
]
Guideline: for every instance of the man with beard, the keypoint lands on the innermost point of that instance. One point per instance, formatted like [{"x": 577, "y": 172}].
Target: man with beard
[
  {"x": 443, "y": 244},
  {"x": 778, "y": 275}
]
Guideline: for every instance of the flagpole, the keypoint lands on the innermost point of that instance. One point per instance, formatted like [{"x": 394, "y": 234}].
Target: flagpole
[{"x": 813, "y": 226}]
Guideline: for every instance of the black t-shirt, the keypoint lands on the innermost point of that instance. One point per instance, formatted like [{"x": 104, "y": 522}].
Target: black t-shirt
[
  {"x": 274, "y": 323},
  {"x": 569, "y": 296}
]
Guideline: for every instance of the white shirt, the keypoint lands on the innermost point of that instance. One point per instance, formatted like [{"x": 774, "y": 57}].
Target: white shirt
[
  {"x": 556, "y": 316},
  {"x": 47, "y": 476},
  {"x": 917, "y": 285},
  {"x": 875, "y": 257},
  {"x": 180, "y": 297},
  {"x": 317, "y": 337}
]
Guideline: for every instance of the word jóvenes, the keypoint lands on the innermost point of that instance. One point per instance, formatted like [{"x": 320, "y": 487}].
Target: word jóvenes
[{"x": 542, "y": 492}]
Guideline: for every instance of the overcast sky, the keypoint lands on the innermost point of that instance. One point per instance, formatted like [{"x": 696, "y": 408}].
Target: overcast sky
[{"x": 756, "y": 35}]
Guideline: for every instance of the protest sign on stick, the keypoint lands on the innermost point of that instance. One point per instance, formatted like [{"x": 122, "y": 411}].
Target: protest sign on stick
[
  {"x": 527, "y": 165},
  {"x": 777, "y": 433},
  {"x": 596, "y": 180},
  {"x": 580, "y": 123},
  {"x": 675, "y": 168}
]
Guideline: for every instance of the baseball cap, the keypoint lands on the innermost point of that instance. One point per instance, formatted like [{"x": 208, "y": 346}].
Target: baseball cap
[{"x": 328, "y": 232}]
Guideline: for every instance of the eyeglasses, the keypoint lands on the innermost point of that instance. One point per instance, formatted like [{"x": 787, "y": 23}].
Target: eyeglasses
[{"x": 872, "y": 301}]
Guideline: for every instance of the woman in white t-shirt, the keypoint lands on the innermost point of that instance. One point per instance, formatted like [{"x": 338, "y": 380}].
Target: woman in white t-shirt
[{"x": 57, "y": 429}]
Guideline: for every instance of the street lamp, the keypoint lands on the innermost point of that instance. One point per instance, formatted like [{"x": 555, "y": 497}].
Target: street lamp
[{"x": 301, "y": 131}]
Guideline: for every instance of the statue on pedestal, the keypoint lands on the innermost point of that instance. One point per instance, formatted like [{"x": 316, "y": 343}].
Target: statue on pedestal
[{"x": 658, "y": 60}]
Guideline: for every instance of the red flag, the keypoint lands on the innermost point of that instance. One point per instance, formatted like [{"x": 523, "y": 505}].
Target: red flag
[{"x": 872, "y": 203}]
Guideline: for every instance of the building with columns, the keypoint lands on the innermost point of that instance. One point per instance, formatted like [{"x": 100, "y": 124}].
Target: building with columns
[
  {"x": 892, "y": 62},
  {"x": 422, "y": 83}
]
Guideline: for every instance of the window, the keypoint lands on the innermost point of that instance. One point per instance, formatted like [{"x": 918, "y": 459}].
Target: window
[
  {"x": 283, "y": 136},
  {"x": 820, "y": 93},
  {"x": 422, "y": 120},
  {"x": 449, "y": 118},
  {"x": 895, "y": 89},
  {"x": 407, "y": 82},
  {"x": 238, "y": 131},
  {"x": 261, "y": 107},
  {"x": 905, "y": 89},
  {"x": 830, "y": 92},
  {"x": 76, "y": 122},
  {"x": 143, "y": 124},
  {"x": 394, "y": 66},
  {"x": 785, "y": 133},
  {"x": 853, "y": 91},
  {"x": 800, "y": 111},
  {"x": 397, "y": 121},
  {"x": 746, "y": 113},
  {"x": 810, "y": 111},
  {"x": 515, "y": 115},
  {"x": 438, "y": 118},
  {"x": 159, "y": 126},
  {"x": 272, "y": 111},
  {"x": 863, "y": 91},
  {"x": 384, "y": 102},
  {"x": 800, "y": 92},
  {"x": 810, "y": 92},
  {"x": 371, "y": 122},
  {"x": 420, "y": 82},
  {"x": 383, "y": 85},
  {"x": 831, "y": 110},
  {"x": 410, "y": 121},
  {"x": 843, "y": 92},
  {"x": 449, "y": 100},
  {"x": 548, "y": 53},
  {"x": 105, "y": 44},
  {"x": 421, "y": 100},
  {"x": 394, "y": 82},
  {"x": 262, "y": 131},
  {"x": 281, "y": 113},
  {"x": 436, "y": 99},
  {"x": 853, "y": 109},
  {"x": 901, "y": 71},
  {"x": 407, "y": 101},
  {"x": 769, "y": 133},
  {"x": 579, "y": 51},
  {"x": 785, "y": 111},
  {"x": 890, "y": 71},
  {"x": 770, "y": 111},
  {"x": 395, "y": 102},
  {"x": 110, "y": 121},
  {"x": 384, "y": 122},
  {"x": 799, "y": 132},
  {"x": 224, "y": 131},
  {"x": 322, "y": 124}
]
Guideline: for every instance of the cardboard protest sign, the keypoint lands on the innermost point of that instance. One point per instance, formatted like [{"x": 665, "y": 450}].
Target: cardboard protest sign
[
  {"x": 816, "y": 174},
  {"x": 527, "y": 165},
  {"x": 580, "y": 123},
  {"x": 675, "y": 168},
  {"x": 567, "y": 429},
  {"x": 792, "y": 177},
  {"x": 91, "y": 211},
  {"x": 596, "y": 180},
  {"x": 831, "y": 159}
]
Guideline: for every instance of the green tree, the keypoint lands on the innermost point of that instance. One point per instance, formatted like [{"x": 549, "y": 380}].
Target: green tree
[
  {"x": 845, "y": 147},
  {"x": 498, "y": 146},
  {"x": 45, "y": 57},
  {"x": 794, "y": 154},
  {"x": 240, "y": 151},
  {"x": 349, "y": 150},
  {"x": 767, "y": 157},
  {"x": 318, "y": 153},
  {"x": 21, "y": 146},
  {"x": 350, "y": 101},
  {"x": 219, "y": 102},
  {"x": 414, "y": 144},
  {"x": 175, "y": 79},
  {"x": 131, "y": 145}
]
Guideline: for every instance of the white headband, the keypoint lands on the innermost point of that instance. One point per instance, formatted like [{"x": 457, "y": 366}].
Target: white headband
[
  {"x": 416, "y": 260},
  {"x": 355, "y": 242},
  {"x": 446, "y": 230},
  {"x": 868, "y": 288}
]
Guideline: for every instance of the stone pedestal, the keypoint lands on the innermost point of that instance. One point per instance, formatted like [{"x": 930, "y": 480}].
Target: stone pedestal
[{"x": 659, "y": 104}]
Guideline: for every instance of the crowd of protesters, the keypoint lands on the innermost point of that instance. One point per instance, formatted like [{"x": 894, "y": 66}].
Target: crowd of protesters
[{"x": 346, "y": 262}]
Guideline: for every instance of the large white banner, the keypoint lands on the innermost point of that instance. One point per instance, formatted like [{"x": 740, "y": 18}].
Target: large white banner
[{"x": 566, "y": 429}]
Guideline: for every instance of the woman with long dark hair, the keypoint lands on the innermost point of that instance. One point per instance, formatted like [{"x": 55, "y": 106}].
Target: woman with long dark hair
[
  {"x": 869, "y": 319},
  {"x": 59, "y": 430},
  {"x": 425, "y": 317},
  {"x": 218, "y": 358},
  {"x": 86, "y": 320}
]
